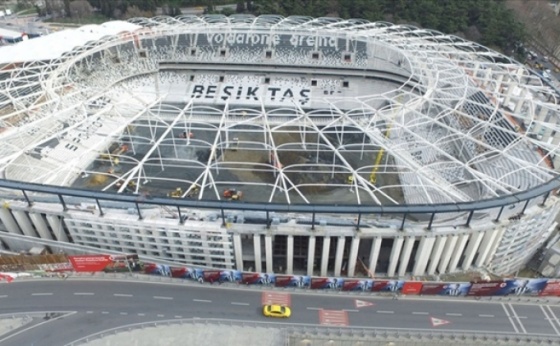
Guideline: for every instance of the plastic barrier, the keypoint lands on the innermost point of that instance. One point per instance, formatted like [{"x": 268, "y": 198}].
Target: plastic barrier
[{"x": 131, "y": 263}]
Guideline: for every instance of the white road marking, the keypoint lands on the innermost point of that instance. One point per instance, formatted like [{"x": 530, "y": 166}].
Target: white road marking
[
  {"x": 351, "y": 310},
  {"x": 4, "y": 296},
  {"x": 89, "y": 312},
  {"x": 483, "y": 315},
  {"x": 236, "y": 303},
  {"x": 160, "y": 315},
  {"x": 164, "y": 298},
  {"x": 202, "y": 301},
  {"x": 141, "y": 314},
  {"x": 318, "y": 309},
  {"x": 514, "y": 318},
  {"x": 124, "y": 313},
  {"x": 419, "y": 313},
  {"x": 122, "y": 295},
  {"x": 518, "y": 320},
  {"x": 177, "y": 316},
  {"x": 83, "y": 293},
  {"x": 547, "y": 311},
  {"x": 41, "y": 294},
  {"x": 105, "y": 312},
  {"x": 453, "y": 314},
  {"x": 510, "y": 318},
  {"x": 385, "y": 312}
]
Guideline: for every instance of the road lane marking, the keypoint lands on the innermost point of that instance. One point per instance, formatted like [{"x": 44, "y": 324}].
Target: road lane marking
[
  {"x": 41, "y": 294},
  {"x": 160, "y": 315},
  {"x": 483, "y": 315},
  {"x": 333, "y": 317},
  {"x": 551, "y": 317},
  {"x": 280, "y": 298},
  {"x": 453, "y": 314},
  {"x": 351, "y": 310},
  {"x": 518, "y": 319},
  {"x": 141, "y": 314},
  {"x": 419, "y": 313},
  {"x": 89, "y": 312},
  {"x": 4, "y": 296},
  {"x": 237, "y": 303},
  {"x": 514, "y": 318},
  {"x": 124, "y": 313},
  {"x": 385, "y": 312},
  {"x": 83, "y": 293},
  {"x": 122, "y": 295},
  {"x": 163, "y": 298},
  {"x": 314, "y": 309},
  {"x": 510, "y": 318},
  {"x": 105, "y": 312},
  {"x": 177, "y": 316},
  {"x": 202, "y": 301}
]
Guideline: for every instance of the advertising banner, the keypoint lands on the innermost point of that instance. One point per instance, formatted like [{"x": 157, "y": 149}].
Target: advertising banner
[
  {"x": 90, "y": 263},
  {"x": 357, "y": 285},
  {"x": 6, "y": 277},
  {"x": 527, "y": 287},
  {"x": 552, "y": 288},
  {"x": 107, "y": 263},
  {"x": 446, "y": 288},
  {"x": 299, "y": 281},
  {"x": 186, "y": 273},
  {"x": 221, "y": 276},
  {"x": 258, "y": 279},
  {"x": 327, "y": 283},
  {"x": 491, "y": 288},
  {"x": 128, "y": 263},
  {"x": 411, "y": 287},
  {"x": 387, "y": 286},
  {"x": 157, "y": 269}
]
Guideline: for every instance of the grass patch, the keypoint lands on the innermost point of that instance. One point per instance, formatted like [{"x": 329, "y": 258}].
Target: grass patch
[{"x": 27, "y": 11}]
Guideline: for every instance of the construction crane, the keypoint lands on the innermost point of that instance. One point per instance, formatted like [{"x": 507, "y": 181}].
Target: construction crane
[{"x": 373, "y": 175}]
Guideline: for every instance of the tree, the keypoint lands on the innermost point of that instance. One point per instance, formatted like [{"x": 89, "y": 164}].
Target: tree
[
  {"x": 67, "y": 9},
  {"x": 240, "y": 8},
  {"x": 80, "y": 9}
]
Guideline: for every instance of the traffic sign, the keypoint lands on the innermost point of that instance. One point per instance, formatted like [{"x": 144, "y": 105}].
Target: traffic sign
[
  {"x": 362, "y": 303},
  {"x": 436, "y": 322}
]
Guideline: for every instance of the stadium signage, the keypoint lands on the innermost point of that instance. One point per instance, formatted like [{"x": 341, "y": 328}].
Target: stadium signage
[
  {"x": 272, "y": 40},
  {"x": 271, "y": 94}
]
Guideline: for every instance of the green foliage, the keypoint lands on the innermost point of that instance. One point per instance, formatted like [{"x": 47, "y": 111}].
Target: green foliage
[{"x": 495, "y": 23}]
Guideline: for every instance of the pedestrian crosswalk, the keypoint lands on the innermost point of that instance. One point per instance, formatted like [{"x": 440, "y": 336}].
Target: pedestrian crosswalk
[
  {"x": 279, "y": 298},
  {"x": 333, "y": 317}
]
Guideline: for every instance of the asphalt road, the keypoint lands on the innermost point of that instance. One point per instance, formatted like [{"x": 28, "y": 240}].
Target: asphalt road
[{"x": 101, "y": 305}]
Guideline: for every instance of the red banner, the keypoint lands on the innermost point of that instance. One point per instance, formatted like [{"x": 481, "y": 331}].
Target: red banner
[
  {"x": 552, "y": 288},
  {"x": 90, "y": 263},
  {"x": 411, "y": 287},
  {"x": 490, "y": 288},
  {"x": 6, "y": 277}
]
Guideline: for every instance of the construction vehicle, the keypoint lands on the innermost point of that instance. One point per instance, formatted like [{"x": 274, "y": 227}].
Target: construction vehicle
[
  {"x": 130, "y": 187},
  {"x": 116, "y": 152},
  {"x": 233, "y": 194},
  {"x": 193, "y": 191},
  {"x": 177, "y": 193}
]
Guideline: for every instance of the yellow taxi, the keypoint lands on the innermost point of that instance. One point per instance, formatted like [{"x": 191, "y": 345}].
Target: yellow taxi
[{"x": 275, "y": 310}]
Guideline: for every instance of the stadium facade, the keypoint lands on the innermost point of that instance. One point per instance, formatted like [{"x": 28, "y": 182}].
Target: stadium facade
[{"x": 289, "y": 145}]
